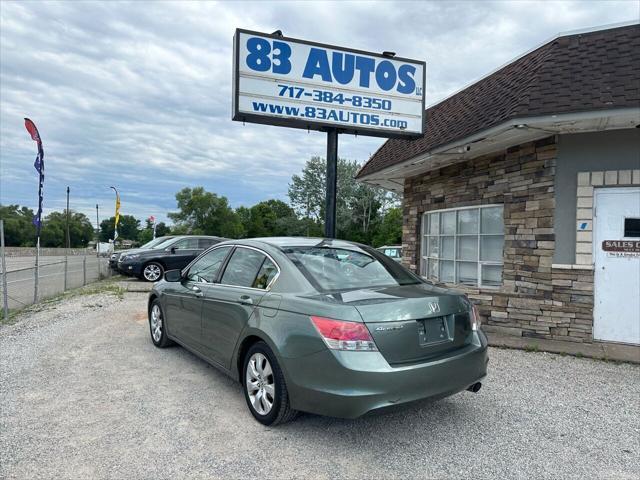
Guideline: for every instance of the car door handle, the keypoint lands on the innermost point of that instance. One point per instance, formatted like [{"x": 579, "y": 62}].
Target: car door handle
[
  {"x": 197, "y": 291},
  {"x": 246, "y": 299}
]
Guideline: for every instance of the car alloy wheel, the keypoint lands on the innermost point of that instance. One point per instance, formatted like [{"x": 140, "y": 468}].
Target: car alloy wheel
[
  {"x": 260, "y": 384},
  {"x": 156, "y": 323},
  {"x": 152, "y": 272}
]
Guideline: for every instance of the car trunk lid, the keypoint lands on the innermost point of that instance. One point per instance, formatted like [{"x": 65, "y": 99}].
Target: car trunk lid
[{"x": 414, "y": 322}]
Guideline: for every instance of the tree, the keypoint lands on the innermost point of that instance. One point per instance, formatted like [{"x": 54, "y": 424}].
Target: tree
[
  {"x": 146, "y": 235},
  {"x": 307, "y": 191},
  {"x": 358, "y": 206},
  {"x": 162, "y": 229},
  {"x": 128, "y": 228},
  {"x": 54, "y": 230},
  {"x": 389, "y": 231},
  {"x": 19, "y": 230},
  {"x": 205, "y": 213},
  {"x": 270, "y": 218}
]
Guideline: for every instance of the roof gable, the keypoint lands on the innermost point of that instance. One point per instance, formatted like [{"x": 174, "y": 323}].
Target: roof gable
[{"x": 598, "y": 70}]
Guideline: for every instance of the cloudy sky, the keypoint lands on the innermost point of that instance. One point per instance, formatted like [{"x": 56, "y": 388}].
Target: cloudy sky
[{"x": 138, "y": 94}]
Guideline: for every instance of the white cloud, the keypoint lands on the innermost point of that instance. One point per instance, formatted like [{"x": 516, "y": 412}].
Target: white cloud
[{"x": 139, "y": 94}]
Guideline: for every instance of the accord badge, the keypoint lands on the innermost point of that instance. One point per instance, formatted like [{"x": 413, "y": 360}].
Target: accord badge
[{"x": 386, "y": 329}]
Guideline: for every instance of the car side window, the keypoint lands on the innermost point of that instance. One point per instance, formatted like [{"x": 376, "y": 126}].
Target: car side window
[
  {"x": 243, "y": 267},
  {"x": 205, "y": 243},
  {"x": 186, "y": 244},
  {"x": 206, "y": 268},
  {"x": 266, "y": 274}
]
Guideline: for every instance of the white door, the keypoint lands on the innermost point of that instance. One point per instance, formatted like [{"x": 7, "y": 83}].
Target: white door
[{"x": 616, "y": 315}]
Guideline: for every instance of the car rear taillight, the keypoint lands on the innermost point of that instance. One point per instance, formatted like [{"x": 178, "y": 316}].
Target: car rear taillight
[
  {"x": 475, "y": 318},
  {"x": 340, "y": 335}
]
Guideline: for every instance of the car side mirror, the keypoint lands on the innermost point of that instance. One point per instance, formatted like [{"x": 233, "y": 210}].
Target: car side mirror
[
  {"x": 173, "y": 250},
  {"x": 173, "y": 275}
]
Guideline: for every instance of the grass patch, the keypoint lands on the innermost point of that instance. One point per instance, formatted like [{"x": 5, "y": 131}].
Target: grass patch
[
  {"x": 532, "y": 347},
  {"x": 105, "y": 286}
]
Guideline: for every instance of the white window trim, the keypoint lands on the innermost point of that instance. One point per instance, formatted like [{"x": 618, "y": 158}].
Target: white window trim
[{"x": 424, "y": 258}]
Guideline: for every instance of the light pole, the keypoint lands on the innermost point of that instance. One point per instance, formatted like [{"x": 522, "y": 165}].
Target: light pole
[{"x": 68, "y": 237}]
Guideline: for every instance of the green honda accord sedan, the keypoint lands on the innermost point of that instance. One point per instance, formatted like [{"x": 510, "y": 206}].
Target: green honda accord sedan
[{"x": 322, "y": 326}]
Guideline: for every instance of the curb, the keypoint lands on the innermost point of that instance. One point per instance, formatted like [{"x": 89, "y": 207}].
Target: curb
[{"x": 598, "y": 350}]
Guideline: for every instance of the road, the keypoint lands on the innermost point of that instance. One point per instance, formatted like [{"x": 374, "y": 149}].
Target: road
[
  {"x": 84, "y": 394},
  {"x": 20, "y": 276}
]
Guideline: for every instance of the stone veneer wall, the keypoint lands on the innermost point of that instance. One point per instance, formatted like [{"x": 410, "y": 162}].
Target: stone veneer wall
[{"x": 536, "y": 299}]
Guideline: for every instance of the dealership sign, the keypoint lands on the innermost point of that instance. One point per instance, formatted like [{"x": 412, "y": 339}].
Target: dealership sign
[
  {"x": 621, "y": 248},
  {"x": 295, "y": 83}
]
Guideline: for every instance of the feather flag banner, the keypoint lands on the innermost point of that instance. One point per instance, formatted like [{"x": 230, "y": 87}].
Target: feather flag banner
[
  {"x": 39, "y": 166},
  {"x": 117, "y": 216}
]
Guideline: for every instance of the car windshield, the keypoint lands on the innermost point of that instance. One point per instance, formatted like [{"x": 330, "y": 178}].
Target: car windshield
[
  {"x": 154, "y": 242},
  {"x": 334, "y": 269},
  {"x": 164, "y": 244}
]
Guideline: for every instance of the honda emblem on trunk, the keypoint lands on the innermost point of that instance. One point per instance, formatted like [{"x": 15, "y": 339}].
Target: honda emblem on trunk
[{"x": 433, "y": 307}]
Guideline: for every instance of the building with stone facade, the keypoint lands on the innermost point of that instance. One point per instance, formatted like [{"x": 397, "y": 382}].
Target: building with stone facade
[{"x": 524, "y": 191}]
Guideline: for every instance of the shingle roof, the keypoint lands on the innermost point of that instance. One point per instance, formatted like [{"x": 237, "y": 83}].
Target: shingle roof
[{"x": 581, "y": 72}]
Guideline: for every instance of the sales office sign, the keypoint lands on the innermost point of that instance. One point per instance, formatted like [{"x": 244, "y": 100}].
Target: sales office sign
[
  {"x": 621, "y": 248},
  {"x": 295, "y": 83}
]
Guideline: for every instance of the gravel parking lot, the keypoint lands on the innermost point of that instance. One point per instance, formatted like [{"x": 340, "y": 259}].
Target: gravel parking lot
[{"x": 84, "y": 394}]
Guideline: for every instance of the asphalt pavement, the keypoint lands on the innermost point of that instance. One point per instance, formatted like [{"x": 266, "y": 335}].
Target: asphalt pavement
[
  {"x": 21, "y": 271},
  {"x": 84, "y": 394}
]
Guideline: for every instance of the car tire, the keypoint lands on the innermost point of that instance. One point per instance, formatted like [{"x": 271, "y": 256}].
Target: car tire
[
  {"x": 152, "y": 272},
  {"x": 265, "y": 389},
  {"x": 157, "y": 325}
]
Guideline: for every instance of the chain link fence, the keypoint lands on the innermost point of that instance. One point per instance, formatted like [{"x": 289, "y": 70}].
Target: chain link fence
[{"x": 58, "y": 273}]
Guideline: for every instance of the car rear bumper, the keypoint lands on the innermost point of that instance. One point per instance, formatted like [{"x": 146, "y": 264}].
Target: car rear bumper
[{"x": 351, "y": 384}]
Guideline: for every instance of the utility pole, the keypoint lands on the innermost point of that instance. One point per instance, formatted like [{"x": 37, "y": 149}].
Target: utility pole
[
  {"x": 97, "y": 231},
  {"x": 68, "y": 237}
]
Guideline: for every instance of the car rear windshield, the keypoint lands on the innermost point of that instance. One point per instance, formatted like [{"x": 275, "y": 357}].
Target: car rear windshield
[{"x": 335, "y": 269}]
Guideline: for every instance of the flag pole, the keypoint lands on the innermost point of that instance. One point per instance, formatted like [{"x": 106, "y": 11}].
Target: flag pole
[{"x": 37, "y": 272}]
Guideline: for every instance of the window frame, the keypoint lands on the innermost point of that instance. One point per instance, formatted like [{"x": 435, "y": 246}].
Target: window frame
[
  {"x": 184, "y": 239},
  {"x": 226, "y": 264},
  {"x": 202, "y": 243},
  {"x": 187, "y": 269},
  {"x": 425, "y": 237}
]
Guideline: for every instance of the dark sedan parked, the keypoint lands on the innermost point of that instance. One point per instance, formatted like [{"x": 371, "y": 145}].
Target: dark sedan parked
[
  {"x": 322, "y": 326},
  {"x": 113, "y": 259},
  {"x": 174, "y": 253}
]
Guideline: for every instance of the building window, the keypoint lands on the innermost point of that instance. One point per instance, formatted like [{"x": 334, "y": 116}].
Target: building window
[
  {"x": 463, "y": 246},
  {"x": 632, "y": 227}
]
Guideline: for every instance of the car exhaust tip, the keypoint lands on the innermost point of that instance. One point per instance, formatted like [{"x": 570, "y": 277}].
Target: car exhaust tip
[{"x": 475, "y": 388}]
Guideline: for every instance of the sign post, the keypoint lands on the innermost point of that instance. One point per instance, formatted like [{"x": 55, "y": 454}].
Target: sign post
[
  {"x": 295, "y": 83},
  {"x": 332, "y": 183}
]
